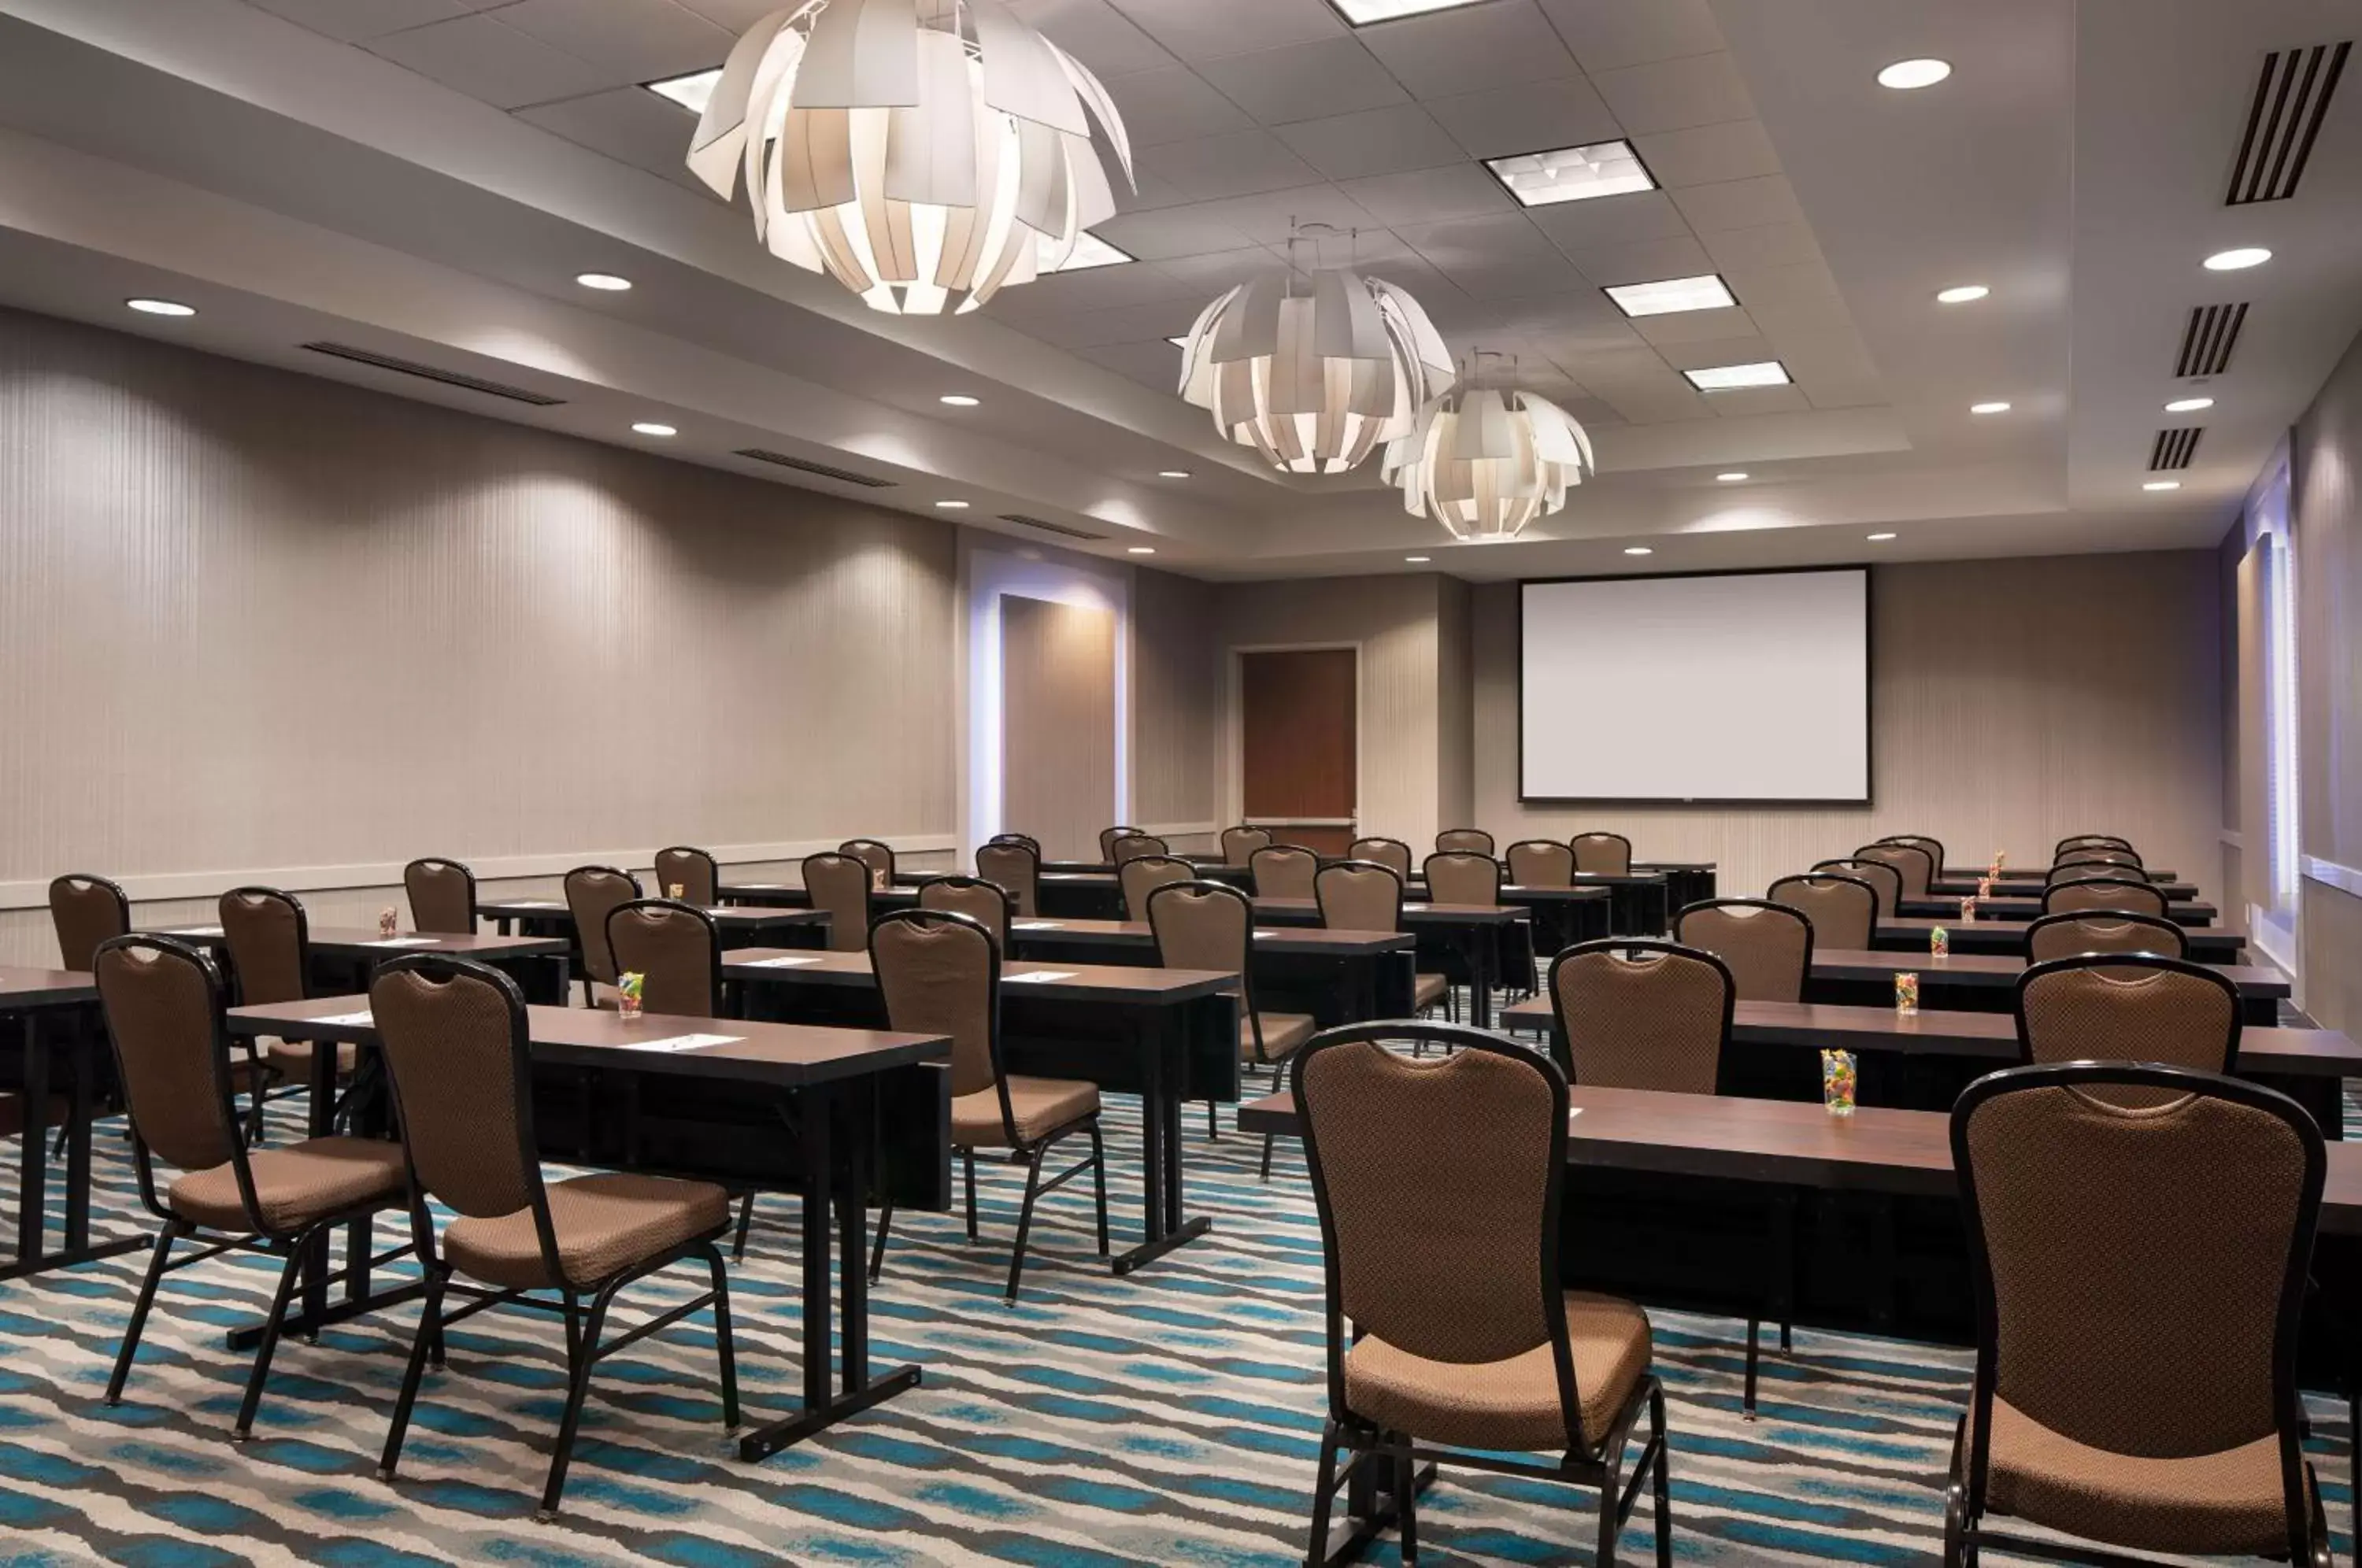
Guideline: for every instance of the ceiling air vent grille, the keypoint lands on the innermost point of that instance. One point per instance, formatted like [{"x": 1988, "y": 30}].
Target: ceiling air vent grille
[
  {"x": 2208, "y": 339},
  {"x": 781, "y": 460},
  {"x": 2292, "y": 94},
  {"x": 428, "y": 372},
  {"x": 2174, "y": 448},
  {"x": 1048, "y": 527}
]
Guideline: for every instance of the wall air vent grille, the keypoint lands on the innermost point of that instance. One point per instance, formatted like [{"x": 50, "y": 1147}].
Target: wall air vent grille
[
  {"x": 430, "y": 373},
  {"x": 2292, "y": 94},
  {"x": 781, "y": 460},
  {"x": 1021, "y": 518},
  {"x": 2174, "y": 448},
  {"x": 2212, "y": 332}
]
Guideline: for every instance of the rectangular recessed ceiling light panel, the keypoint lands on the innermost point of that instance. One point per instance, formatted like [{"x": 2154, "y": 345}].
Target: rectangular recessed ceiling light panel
[
  {"x": 691, "y": 92},
  {"x": 1361, "y": 13},
  {"x": 1731, "y": 378},
  {"x": 1089, "y": 251},
  {"x": 1670, "y": 295},
  {"x": 1573, "y": 173}
]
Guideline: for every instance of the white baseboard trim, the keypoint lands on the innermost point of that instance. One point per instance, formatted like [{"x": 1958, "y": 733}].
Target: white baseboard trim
[
  {"x": 158, "y": 886},
  {"x": 2330, "y": 873}
]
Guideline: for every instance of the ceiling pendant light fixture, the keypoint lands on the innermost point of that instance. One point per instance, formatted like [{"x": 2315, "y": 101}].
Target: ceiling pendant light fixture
[
  {"x": 1484, "y": 460},
  {"x": 1313, "y": 370},
  {"x": 923, "y": 153}
]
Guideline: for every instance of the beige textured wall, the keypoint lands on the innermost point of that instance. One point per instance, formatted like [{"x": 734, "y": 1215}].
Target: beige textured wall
[
  {"x": 2325, "y": 499},
  {"x": 1176, "y": 702},
  {"x": 1058, "y": 740},
  {"x": 2012, "y": 702},
  {"x": 1455, "y": 706},
  {"x": 257, "y": 627}
]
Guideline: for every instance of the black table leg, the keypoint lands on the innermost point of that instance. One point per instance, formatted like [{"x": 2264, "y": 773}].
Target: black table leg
[
  {"x": 33, "y": 1182},
  {"x": 80, "y": 1066},
  {"x": 1163, "y": 1047},
  {"x": 33, "y": 1252}
]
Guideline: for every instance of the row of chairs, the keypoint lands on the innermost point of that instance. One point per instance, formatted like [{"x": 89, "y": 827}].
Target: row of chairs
[{"x": 1591, "y": 853}]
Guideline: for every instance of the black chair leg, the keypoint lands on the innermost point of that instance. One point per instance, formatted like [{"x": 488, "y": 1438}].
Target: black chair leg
[
  {"x": 1662, "y": 1485},
  {"x": 745, "y": 1224},
  {"x": 1747, "y": 1403},
  {"x": 968, "y": 1156},
  {"x": 430, "y": 1335},
  {"x": 721, "y": 1343},
  {"x": 1098, "y": 1182},
  {"x": 1324, "y": 1490},
  {"x": 1406, "y": 1501},
  {"x": 878, "y": 1248},
  {"x": 1213, "y": 1126},
  {"x": 1025, "y": 1219},
  {"x": 1267, "y": 1139},
  {"x": 582, "y": 1352},
  {"x": 132, "y": 1330},
  {"x": 303, "y": 1246}
]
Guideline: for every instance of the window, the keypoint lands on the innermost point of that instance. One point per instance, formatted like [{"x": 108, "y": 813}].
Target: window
[{"x": 2274, "y": 925}]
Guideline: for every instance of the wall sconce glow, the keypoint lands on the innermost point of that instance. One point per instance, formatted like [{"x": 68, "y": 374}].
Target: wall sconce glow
[
  {"x": 1906, "y": 75},
  {"x": 958, "y": 400},
  {"x": 605, "y": 282},
  {"x": 1988, "y": 408},
  {"x": 1879, "y": 538},
  {"x": 650, "y": 427},
  {"x": 161, "y": 308},
  {"x": 1736, "y": 378},
  {"x": 1965, "y": 293},
  {"x": 2189, "y": 405},
  {"x": 952, "y": 505},
  {"x": 1638, "y": 550},
  {"x": 1732, "y": 478},
  {"x": 2237, "y": 260},
  {"x": 2162, "y": 484}
]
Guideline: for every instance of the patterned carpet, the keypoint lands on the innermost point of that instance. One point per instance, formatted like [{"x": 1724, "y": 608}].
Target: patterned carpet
[{"x": 1168, "y": 1417}]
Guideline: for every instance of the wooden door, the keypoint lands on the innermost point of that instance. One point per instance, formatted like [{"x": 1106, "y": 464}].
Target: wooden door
[
  {"x": 1299, "y": 719},
  {"x": 1057, "y": 724}
]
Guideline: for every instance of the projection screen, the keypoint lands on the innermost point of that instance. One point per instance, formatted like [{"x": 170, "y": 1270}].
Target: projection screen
[{"x": 1743, "y": 689}]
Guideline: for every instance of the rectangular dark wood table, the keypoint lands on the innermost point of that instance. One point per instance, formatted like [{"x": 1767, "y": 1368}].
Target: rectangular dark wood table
[
  {"x": 53, "y": 1009},
  {"x": 1961, "y": 880},
  {"x": 825, "y": 1113},
  {"x": 1640, "y": 904},
  {"x": 1337, "y": 976},
  {"x": 2182, "y": 911},
  {"x": 1687, "y": 881},
  {"x": 343, "y": 957},
  {"x": 1169, "y": 1035},
  {"x": 1984, "y": 982},
  {"x": 785, "y": 896},
  {"x": 1466, "y": 938},
  {"x": 1910, "y": 935}
]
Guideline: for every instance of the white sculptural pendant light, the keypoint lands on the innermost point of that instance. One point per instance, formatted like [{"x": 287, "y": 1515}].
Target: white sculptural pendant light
[
  {"x": 1313, "y": 371},
  {"x": 1487, "y": 460},
  {"x": 924, "y": 154}
]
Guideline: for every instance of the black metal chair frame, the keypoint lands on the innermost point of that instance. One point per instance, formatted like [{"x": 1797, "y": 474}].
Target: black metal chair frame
[
  {"x": 1280, "y": 849},
  {"x": 2145, "y": 889},
  {"x": 1224, "y": 838},
  {"x": 1805, "y": 977},
  {"x": 1027, "y": 839},
  {"x": 868, "y": 887},
  {"x": 963, "y": 882},
  {"x": 441, "y": 862},
  {"x": 1573, "y": 847},
  {"x": 1965, "y": 1535},
  {"x": 855, "y": 847},
  {"x": 584, "y": 1322},
  {"x": 713, "y": 868},
  {"x": 1847, "y": 865},
  {"x": 122, "y": 927},
  {"x": 582, "y": 954},
  {"x": 1509, "y": 857},
  {"x": 1490, "y": 843},
  {"x": 1142, "y": 913},
  {"x": 1108, "y": 835},
  {"x": 2071, "y": 870},
  {"x": 1934, "y": 870},
  {"x": 265, "y": 1079},
  {"x": 1876, "y": 911},
  {"x": 1246, "y": 994},
  {"x": 2089, "y": 841},
  {"x": 1032, "y": 893},
  {"x": 1933, "y": 847},
  {"x": 1451, "y": 999},
  {"x": 2210, "y": 974},
  {"x": 1409, "y": 859},
  {"x": 2151, "y": 922},
  {"x": 1393, "y": 1499}
]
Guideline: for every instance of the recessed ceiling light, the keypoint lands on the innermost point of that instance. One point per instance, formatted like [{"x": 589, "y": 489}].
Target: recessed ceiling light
[
  {"x": 1906, "y": 74},
  {"x": 953, "y": 505},
  {"x": 1361, "y": 13},
  {"x": 1965, "y": 293},
  {"x": 605, "y": 282},
  {"x": 1172, "y": 473},
  {"x": 1638, "y": 550},
  {"x": 691, "y": 92},
  {"x": 2162, "y": 484},
  {"x": 1090, "y": 251},
  {"x": 1140, "y": 550},
  {"x": 161, "y": 308},
  {"x": 1573, "y": 173},
  {"x": 650, "y": 427},
  {"x": 1881, "y": 538},
  {"x": 2234, "y": 260},
  {"x": 1988, "y": 408},
  {"x": 1417, "y": 560},
  {"x": 957, "y": 400},
  {"x": 1732, "y": 377},
  {"x": 1731, "y": 478},
  {"x": 1670, "y": 294},
  {"x": 2189, "y": 405}
]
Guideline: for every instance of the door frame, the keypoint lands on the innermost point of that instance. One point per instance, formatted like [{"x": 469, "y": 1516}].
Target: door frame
[{"x": 1235, "y": 760}]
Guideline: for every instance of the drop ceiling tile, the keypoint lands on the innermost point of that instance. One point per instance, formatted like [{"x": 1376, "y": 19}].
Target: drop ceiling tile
[
  {"x": 1208, "y": 276},
  {"x": 1773, "y": 245},
  {"x": 1304, "y": 81},
  {"x": 1661, "y": 403},
  {"x": 1643, "y": 262},
  {"x": 1173, "y": 103},
  {"x": 1740, "y": 401},
  {"x": 1481, "y": 48},
  {"x": 1269, "y": 218},
  {"x": 1806, "y": 314},
  {"x": 1429, "y": 195},
  {"x": 1170, "y": 231},
  {"x": 733, "y": 17},
  {"x": 483, "y": 59},
  {"x": 1591, "y": 412},
  {"x": 644, "y": 39},
  {"x": 1154, "y": 365},
  {"x": 1208, "y": 29},
  {"x": 1741, "y": 347},
  {"x": 355, "y": 20},
  {"x": 630, "y": 125},
  {"x": 1739, "y": 203},
  {"x": 1149, "y": 323},
  {"x": 1091, "y": 30},
  {"x": 1606, "y": 35},
  {"x": 1673, "y": 94},
  {"x": 1535, "y": 118},
  {"x": 1628, "y": 219},
  {"x": 1074, "y": 295},
  {"x": 1792, "y": 283},
  {"x": 1834, "y": 369},
  {"x": 1496, "y": 257},
  {"x": 1734, "y": 150},
  {"x": 1376, "y": 141},
  {"x": 1694, "y": 327}
]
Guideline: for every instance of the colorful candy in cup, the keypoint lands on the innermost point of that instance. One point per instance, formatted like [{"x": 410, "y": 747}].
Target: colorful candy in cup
[
  {"x": 1837, "y": 1082},
  {"x": 387, "y": 922},
  {"x": 1907, "y": 993},
  {"x": 630, "y": 987},
  {"x": 676, "y": 891}
]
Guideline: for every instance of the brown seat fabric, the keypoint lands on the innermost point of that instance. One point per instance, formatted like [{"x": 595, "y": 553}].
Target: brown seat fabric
[
  {"x": 2069, "y": 934},
  {"x": 1657, "y": 1021},
  {"x": 693, "y": 870},
  {"x": 293, "y": 1057},
  {"x": 1138, "y": 846},
  {"x": 1767, "y": 950},
  {"x": 604, "y": 1225},
  {"x": 1456, "y": 877},
  {"x": 1390, "y": 853},
  {"x": 264, "y": 930},
  {"x": 1843, "y": 910},
  {"x": 1882, "y": 877},
  {"x": 85, "y": 911},
  {"x": 159, "y": 1016},
  {"x": 296, "y": 1185},
  {"x": 674, "y": 951},
  {"x": 1037, "y": 1106},
  {"x": 1910, "y": 863},
  {"x": 1512, "y": 1403},
  {"x": 2222, "y": 1502},
  {"x": 982, "y": 901},
  {"x": 1016, "y": 870},
  {"x": 593, "y": 892},
  {"x": 2130, "y": 898},
  {"x": 1238, "y": 843},
  {"x": 1284, "y": 1033},
  {"x": 2111, "y": 1013},
  {"x": 1541, "y": 863},
  {"x": 1430, "y": 991},
  {"x": 1144, "y": 874},
  {"x": 839, "y": 884},
  {"x": 1284, "y": 871},
  {"x": 1108, "y": 835},
  {"x": 442, "y": 896},
  {"x": 878, "y": 857},
  {"x": 1463, "y": 840},
  {"x": 1602, "y": 854},
  {"x": 1359, "y": 897}
]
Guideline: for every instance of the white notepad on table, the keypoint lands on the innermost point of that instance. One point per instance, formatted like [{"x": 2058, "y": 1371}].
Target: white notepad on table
[
  {"x": 1039, "y": 925},
  {"x": 405, "y": 941},
  {"x": 347, "y": 1021},
  {"x": 781, "y": 963},
  {"x": 683, "y": 1042},
  {"x": 1040, "y": 977}
]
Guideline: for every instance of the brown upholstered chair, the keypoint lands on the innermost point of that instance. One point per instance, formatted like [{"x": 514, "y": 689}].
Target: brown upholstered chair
[
  {"x": 442, "y": 895},
  {"x": 693, "y": 871},
  {"x": 878, "y": 857},
  {"x": 1451, "y": 1335},
  {"x": 270, "y": 942},
  {"x": 592, "y": 893},
  {"x": 2137, "y": 1323},
  {"x": 2089, "y": 841},
  {"x": 2111, "y": 893},
  {"x": 1767, "y": 946},
  {"x": 2128, "y": 1007},
  {"x": 1461, "y": 877},
  {"x": 940, "y": 974},
  {"x": 1391, "y": 852},
  {"x": 675, "y": 950},
  {"x": 1362, "y": 895},
  {"x": 1934, "y": 848},
  {"x": 2098, "y": 931},
  {"x": 2093, "y": 870},
  {"x": 1242, "y": 841},
  {"x": 1134, "y": 846},
  {"x": 987, "y": 902},
  {"x": 1882, "y": 877},
  {"x": 1463, "y": 840},
  {"x": 1108, "y": 835},
  {"x": 1283, "y": 871},
  {"x": 1206, "y": 925},
  {"x": 1015, "y": 866},
  {"x": 1843, "y": 910},
  {"x": 164, "y": 1007},
  {"x": 1912, "y": 864},
  {"x": 1027, "y": 839},
  {"x": 1541, "y": 863},
  {"x": 1602, "y": 854},
  {"x": 839, "y": 884},
  {"x": 456, "y": 1048},
  {"x": 86, "y": 910},
  {"x": 1138, "y": 878},
  {"x": 2097, "y": 854}
]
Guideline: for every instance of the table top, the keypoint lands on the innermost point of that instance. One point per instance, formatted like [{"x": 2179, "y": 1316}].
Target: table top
[
  {"x": 1064, "y": 982},
  {"x": 1211, "y": 864},
  {"x": 1312, "y": 939},
  {"x": 1675, "y": 865},
  {"x": 1529, "y": 892},
  {"x": 1997, "y": 969},
  {"x": 786, "y": 1054},
  {"x": 2030, "y": 872},
  {"x": 354, "y": 941},
  {"x": 2181, "y": 911},
  {"x": 1412, "y": 914},
  {"x": 1914, "y": 928},
  {"x": 44, "y": 988},
  {"x": 730, "y": 917}
]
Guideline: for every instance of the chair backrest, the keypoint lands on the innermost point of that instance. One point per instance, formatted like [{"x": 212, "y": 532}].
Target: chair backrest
[
  {"x": 163, "y": 1001},
  {"x": 2092, "y": 871},
  {"x": 1283, "y": 871},
  {"x": 1359, "y": 894},
  {"x": 839, "y": 884},
  {"x": 1910, "y": 863},
  {"x": 1883, "y": 878},
  {"x": 2140, "y": 1273},
  {"x": 1470, "y": 841},
  {"x": 675, "y": 950},
  {"x": 86, "y": 910},
  {"x": 1140, "y": 877},
  {"x": 1108, "y": 835},
  {"x": 1392, "y": 853},
  {"x": 1015, "y": 866},
  {"x": 1934, "y": 848},
  {"x": 1541, "y": 863},
  {"x": 983, "y": 900},
  {"x": 2128, "y": 1007},
  {"x": 1027, "y": 839},
  {"x": 2105, "y": 893},
  {"x": 1134, "y": 846},
  {"x": 1642, "y": 1014},
  {"x": 940, "y": 974},
  {"x": 2068, "y": 934},
  {"x": 693, "y": 871},
  {"x": 2088, "y": 839},
  {"x": 1602, "y": 854},
  {"x": 592, "y": 893},
  {"x": 1462, "y": 876},
  {"x": 1203, "y": 925},
  {"x": 270, "y": 945},
  {"x": 878, "y": 857},
  {"x": 442, "y": 896},
  {"x": 1438, "y": 1184},
  {"x": 1766, "y": 945},
  {"x": 1242, "y": 841},
  {"x": 1843, "y": 910},
  {"x": 2097, "y": 855}
]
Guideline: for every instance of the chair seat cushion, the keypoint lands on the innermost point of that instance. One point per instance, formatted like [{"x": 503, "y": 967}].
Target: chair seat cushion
[
  {"x": 1283, "y": 1034},
  {"x": 1428, "y": 990},
  {"x": 296, "y": 1185},
  {"x": 1509, "y": 1404},
  {"x": 605, "y": 1225},
  {"x": 1038, "y": 1105},
  {"x": 2228, "y": 1502},
  {"x": 293, "y": 1057}
]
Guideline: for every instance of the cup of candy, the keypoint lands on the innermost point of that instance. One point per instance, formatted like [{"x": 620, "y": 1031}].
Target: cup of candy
[
  {"x": 880, "y": 880},
  {"x": 1984, "y": 886},
  {"x": 1968, "y": 910},
  {"x": 1906, "y": 994},
  {"x": 629, "y": 988},
  {"x": 676, "y": 891},
  {"x": 388, "y": 923},
  {"x": 1837, "y": 1082},
  {"x": 2001, "y": 858},
  {"x": 1939, "y": 942}
]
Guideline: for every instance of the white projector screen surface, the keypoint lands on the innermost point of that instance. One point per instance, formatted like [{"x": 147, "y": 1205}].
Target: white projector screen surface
[{"x": 1753, "y": 687}]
